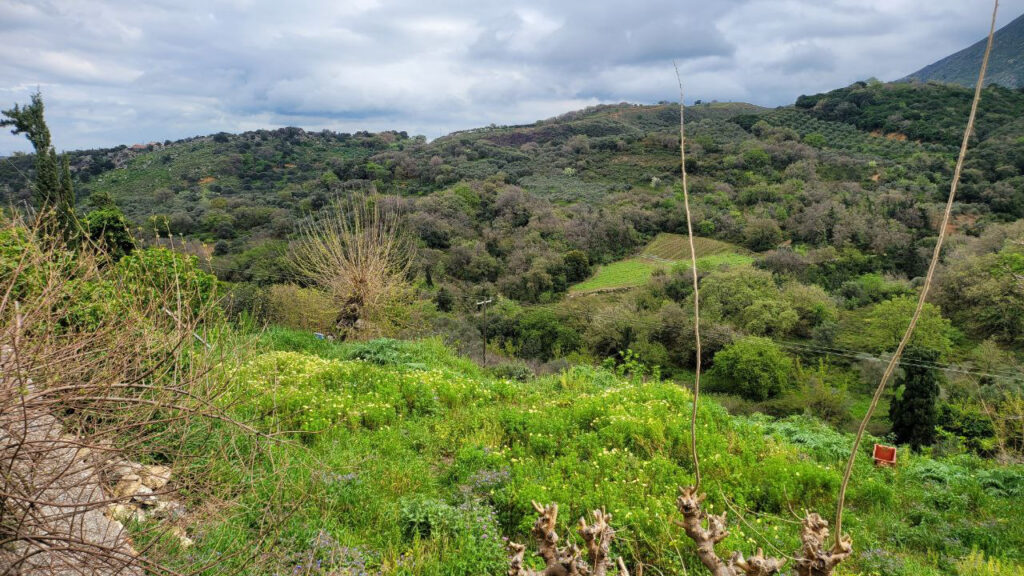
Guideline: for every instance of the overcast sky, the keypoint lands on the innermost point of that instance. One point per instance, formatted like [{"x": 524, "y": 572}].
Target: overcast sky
[{"x": 122, "y": 72}]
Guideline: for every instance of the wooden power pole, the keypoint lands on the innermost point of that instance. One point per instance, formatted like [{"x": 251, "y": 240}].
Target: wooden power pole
[{"x": 484, "y": 303}]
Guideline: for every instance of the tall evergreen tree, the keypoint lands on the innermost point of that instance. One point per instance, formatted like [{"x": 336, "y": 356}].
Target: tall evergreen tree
[
  {"x": 53, "y": 189},
  {"x": 913, "y": 413}
]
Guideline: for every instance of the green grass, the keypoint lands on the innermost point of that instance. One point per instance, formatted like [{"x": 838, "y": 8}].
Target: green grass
[
  {"x": 408, "y": 460},
  {"x": 621, "y": 274},
  {"x": 665, "y": 251}
]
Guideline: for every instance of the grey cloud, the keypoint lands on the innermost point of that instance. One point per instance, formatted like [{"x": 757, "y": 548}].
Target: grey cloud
[
  {"x": 804, "y": 57},
  {"x": 123, "y": 71}
]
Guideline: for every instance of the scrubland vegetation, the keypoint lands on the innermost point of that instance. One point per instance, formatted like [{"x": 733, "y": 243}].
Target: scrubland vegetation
[{"x": 321, "y": 291}]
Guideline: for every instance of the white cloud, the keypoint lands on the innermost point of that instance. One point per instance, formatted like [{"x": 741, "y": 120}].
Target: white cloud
[{"x": 123, "y": 71}]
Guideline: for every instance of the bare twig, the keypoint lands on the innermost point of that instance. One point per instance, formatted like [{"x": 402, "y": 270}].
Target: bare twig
[
  {"x": 932, "y": 266},
  {"x": 696, "y": 291}
]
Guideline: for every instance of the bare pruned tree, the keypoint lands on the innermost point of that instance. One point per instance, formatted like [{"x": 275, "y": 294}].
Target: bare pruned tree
[
  {"x": 815, "y": 557},
  {"x": 357, "y": 251}
]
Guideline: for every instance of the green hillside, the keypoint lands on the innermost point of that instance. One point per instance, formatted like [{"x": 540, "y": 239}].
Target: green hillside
[
  {"x": 497, "y": 205},
  {"x": 1005, "y": 67},
  {"x": 398, "y": 412}
]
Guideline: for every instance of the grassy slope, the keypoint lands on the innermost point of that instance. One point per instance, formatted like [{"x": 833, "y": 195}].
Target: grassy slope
[
  {"x": 664, "y": 251},
  {"x": 416, "y": 463},
  {"x": 621, "y": 274}
]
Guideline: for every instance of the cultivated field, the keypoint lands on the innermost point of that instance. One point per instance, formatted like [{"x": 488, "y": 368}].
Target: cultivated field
[
  {"x": 676, "y": 248},
  {"x": 664, "y": 252}
]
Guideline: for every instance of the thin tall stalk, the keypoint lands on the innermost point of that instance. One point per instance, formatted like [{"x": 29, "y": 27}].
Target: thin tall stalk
[
  {"x": 696, "y": 292},
  {"x": 895, "y": 360}
]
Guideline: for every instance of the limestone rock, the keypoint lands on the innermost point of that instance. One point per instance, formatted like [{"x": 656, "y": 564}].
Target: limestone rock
[
  {"x": 156, "y": 477},
  {"x": 144, "y": 495},
  {"x": 128, "y": 486}
]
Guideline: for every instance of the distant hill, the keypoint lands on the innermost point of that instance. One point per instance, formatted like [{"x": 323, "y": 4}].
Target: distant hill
[
  {"x": 503, "y": 205},
  {"x": 1006, "y": 64}
]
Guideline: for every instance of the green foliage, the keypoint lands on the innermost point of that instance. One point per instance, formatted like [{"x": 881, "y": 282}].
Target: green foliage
[
  {"x": 752, "y": 367},
  {"x": 969, "y": 423},
  {"x": 577, "y": 266},
  {"x": 544, "y": 335},
  {"x": 985, "y": 294},
  {"x": 444, "y": 299},
  {"x": 48, "y": 190},
  {"x": 621, "y": 274},
  {"x": 443, "y": 462},
  {"x": 300, "y": 308},
  {"x": 878, "y": 329},
  {"x": 676, "y": 247},
  {"x": 976, "y": 564},
  {"x": 769, "y": 317},
  {"x": 870, "y": 289},
  {"x": 17, "y": 253},
  {"x": 109, "y": 228},
  {"x": 913, "y": 412},
  {"x": 911, "y": 109},
  {"x": 160, "y": 271}
]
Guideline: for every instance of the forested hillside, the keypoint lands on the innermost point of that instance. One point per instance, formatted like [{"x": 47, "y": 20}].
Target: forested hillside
[{"x": 598, "y": 180}]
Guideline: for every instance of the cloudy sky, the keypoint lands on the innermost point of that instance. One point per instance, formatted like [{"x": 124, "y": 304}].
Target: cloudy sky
[{"x": 127, "y": 71}]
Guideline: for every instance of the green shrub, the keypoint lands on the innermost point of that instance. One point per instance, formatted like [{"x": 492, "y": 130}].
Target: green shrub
[
  {"x": 753, "y": 367},
  {"x": 161, "y": 273},
  {"x": 518, "y": 371},
  {"x": 879, "y": 328},
  {"x": 109, "y": 228},
  {"x": 425, "y": 516},
  {"x": 301, "y": 308}
]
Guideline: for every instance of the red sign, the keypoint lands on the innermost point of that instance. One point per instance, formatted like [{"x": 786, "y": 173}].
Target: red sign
[{"x": 884, "y": 455}]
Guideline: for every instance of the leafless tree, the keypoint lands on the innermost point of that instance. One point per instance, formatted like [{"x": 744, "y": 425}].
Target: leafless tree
[{"x": 358, "y": 252}]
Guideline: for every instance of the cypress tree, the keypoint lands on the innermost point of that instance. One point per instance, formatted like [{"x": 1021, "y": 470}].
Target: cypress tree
[
  {"x": 53, "y": 189},
  {"x": 29, "y": 120},
  {"x": 913, "y": 413}
]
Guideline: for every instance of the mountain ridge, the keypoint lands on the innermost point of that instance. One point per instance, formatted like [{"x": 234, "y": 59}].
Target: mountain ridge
[{"x": 1006, "y": 63}]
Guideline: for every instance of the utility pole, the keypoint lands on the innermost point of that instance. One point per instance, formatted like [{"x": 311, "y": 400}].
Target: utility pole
[{"x": 484, "y": 303}]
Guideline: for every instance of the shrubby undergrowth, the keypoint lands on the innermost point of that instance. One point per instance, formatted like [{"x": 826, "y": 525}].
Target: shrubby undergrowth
[{"x": 412, "y": 461}]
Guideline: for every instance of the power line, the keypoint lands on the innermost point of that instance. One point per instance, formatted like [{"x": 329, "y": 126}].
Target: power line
[
  {"x": 923, "y": 363},
  {"x": 857, "y": 355}
]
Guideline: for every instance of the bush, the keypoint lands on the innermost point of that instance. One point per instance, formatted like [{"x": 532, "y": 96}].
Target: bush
[
  {"x": 879, "y": 328},
  {"x": 301, "y": 308},
  {"x": 753, "y": 367},
  {"x": 545, "y": 335},
  {"x": 109, "y": 228},
  {"x": 159, "y": 271},
  {"x": 518, "y": 371}
]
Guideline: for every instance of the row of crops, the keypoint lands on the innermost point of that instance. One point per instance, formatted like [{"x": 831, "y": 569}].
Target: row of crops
[{"x": 847, "y": 137}]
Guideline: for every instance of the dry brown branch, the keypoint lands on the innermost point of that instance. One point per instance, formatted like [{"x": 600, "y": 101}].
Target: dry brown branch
[
  {"x": 926, "y": 286},
  {"x": 815, "y": 558},
  {"x": 691, "y": 505},
  {"x": 356, "y": 251},
  {"x": 96, "y": 375}
]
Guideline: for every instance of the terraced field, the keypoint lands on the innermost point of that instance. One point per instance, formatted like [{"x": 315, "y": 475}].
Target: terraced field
[
  {"x": 665, "y": 251},
  {"x": 676, "y": 248},
  {"x": 847, "y": 137}
]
